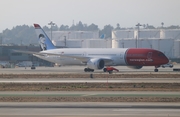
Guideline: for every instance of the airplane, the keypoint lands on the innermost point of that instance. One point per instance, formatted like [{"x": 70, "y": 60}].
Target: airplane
[{"x": 98, "y": 58}]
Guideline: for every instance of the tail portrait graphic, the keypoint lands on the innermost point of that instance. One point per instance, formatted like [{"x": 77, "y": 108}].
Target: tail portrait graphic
[{"x": 42, "y": 42}]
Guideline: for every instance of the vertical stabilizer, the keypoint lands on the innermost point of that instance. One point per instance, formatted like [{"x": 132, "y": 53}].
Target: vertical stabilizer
[{"x": 44, "y": 41}]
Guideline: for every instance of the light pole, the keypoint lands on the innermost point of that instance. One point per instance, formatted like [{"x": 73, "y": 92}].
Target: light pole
[
  {"x": 105, "y": 40},
  {"x": 68, "y": 34},
  {"x": 1, "y": 40},
  {"x": 123, "y": 44},
  {"x": 138, "y": 35},
  {"x": 65, "y": 41},
  {"x": 52, "y": 24},
  {"x": 128, "y": 34},
  {"x": 82, "y": 43}
]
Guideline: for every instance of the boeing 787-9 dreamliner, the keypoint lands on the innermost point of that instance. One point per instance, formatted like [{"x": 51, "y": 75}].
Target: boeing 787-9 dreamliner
[{"x": 98, "y": 58}]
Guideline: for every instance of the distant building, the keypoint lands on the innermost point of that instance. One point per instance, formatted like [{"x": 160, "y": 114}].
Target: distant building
[
  {"x": 79, "y": 39},
  {"x": 146, "y": 33},
  {"x": 60, "y": 35},
  {"x": 7, "y": 54},
  {"x": 84, "y": 43},
  {"x": 165, "y": 40}
]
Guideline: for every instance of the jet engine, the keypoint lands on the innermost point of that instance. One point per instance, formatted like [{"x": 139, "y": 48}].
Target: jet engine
[
  {"x": 95, "y": 63},
  {"x": 135, "y": 67}
]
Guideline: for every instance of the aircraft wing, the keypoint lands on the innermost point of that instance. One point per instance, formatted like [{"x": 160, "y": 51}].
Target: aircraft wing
[
  {"x": 30, "y": 52},
  {"x": 81, "y": 58},
  {"x": 25, "y": 52}
]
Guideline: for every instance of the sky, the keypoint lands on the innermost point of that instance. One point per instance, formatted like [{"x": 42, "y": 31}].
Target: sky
[{"x": 100, "y": 12}]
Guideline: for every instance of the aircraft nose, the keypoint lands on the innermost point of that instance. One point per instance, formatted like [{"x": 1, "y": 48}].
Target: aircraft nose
[
  {"x": 165, "y": 60},
  {"x": 162, "y": 58}
]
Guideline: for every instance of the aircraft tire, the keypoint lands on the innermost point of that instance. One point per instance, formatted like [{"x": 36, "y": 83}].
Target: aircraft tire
[
  {"x": 156, "y": 70},
  {"x": 105, "y": 70},
  {"x": 88, "y": 70},
  {"x": 110, "y": 72},
  {"x": 85, "y": 69}
]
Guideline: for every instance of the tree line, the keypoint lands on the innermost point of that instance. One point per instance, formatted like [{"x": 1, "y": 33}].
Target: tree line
[{"x": 25, "y": 35}]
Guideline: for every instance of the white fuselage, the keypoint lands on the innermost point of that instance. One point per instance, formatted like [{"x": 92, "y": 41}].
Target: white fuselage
[{"x": 116, "y": 55}]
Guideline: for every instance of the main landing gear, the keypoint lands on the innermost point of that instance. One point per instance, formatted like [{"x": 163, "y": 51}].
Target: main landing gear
[
  {"x": 88, "y": 70},
  {"x": 107, "y": 69},
  {"x": 110, "y": 69}
]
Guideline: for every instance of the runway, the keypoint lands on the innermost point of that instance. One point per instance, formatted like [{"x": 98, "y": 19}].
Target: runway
[
  {"x": 87, "y": 109},
  {"x": 89, "y": 80},
  {"x": 80, "y": 69},
  {"x": 88, "y": 94},
  {"x": 93, "y": 109}
]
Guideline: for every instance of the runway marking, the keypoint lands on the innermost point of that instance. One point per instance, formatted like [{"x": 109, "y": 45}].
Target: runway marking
[
  {"x": 86, "y": 95},
  {"x": 65, "y": 81},
  {"x": 177, "y": 95}
]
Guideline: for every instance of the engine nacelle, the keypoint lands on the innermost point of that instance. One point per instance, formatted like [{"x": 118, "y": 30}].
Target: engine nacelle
[
  {"x": 135, "y": 67},
  {"x": 95, "y": 64}
]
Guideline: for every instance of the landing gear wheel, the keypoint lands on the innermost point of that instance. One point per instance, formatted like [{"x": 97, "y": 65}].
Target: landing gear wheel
[
  {"x": 88, "y": 70},
  {"x": 85, "y": 69},
  {"x": 155, "y": 70},
  {"x": 110, "y": 72},
  {"x": 105, "y": 70}
]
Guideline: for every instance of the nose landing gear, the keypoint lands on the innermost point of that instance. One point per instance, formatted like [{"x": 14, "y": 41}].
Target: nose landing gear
[{"x": 156, "y": 70}]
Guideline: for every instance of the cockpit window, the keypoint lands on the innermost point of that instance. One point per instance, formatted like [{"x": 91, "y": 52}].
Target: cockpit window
[{"x": 161, "y": 55}]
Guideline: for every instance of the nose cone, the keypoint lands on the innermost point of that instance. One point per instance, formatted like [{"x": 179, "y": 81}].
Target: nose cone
[
  {"x": 165, "y": 60},
  {"x": 161, "y": 58}
]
